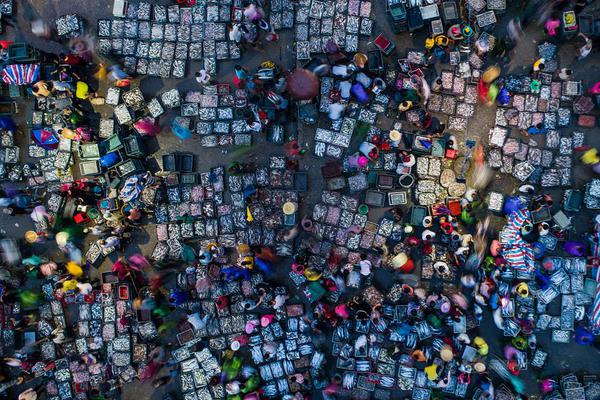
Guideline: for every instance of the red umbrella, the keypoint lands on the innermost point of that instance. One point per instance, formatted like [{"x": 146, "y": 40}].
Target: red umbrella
[{"x": 303, "y": 84}]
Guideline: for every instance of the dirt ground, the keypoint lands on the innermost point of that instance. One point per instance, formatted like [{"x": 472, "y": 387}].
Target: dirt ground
[{"x": 563, "y": 357}]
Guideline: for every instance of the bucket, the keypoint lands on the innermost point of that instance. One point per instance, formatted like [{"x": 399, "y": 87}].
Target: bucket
[
  {"x": 406, "y": 180},
  {"x": 298, "y": 268},
  {"x": 363, "y": 209},
  {"x": 307, "y": 224}
]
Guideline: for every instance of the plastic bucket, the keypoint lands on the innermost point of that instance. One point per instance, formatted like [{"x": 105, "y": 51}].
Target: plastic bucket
[{"x": 406, "y": 181}]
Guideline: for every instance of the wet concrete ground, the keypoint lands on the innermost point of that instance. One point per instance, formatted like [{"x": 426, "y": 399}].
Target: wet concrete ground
[{"x": 563, "y": 358}]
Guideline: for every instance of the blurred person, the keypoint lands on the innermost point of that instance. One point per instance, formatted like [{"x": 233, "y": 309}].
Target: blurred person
[
  {"x": 586, "y": 49},
  {"x": 552, "y": 25},
  {"x": 41, "y": 29},
  {"x": 203, "y": 77},
  {"x": 514, "y": 30}
]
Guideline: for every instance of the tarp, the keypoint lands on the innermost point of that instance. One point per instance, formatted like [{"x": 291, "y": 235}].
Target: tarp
[
  {"x": 595, "y": 308},
  {"x": 131, "y": 189},
  {"x": 515, "y": 250},
  {"x": 20, "y": 74}
]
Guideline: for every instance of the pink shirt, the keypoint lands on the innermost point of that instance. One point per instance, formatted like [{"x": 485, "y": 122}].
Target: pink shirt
[{"x": 551, "y": 26}]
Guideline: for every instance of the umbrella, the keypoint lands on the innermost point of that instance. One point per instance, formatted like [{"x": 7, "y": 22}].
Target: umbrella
[
  {"x": 45, "y": 137},
  {"x": 180, "y": 131},
  {"x": 20, "y": 74},
  {"x": 303, "y": 84}
]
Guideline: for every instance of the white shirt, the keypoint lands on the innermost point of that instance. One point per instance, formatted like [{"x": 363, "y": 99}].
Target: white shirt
[
  {"x": 203, "y": 78},
  {"x": 365, "y": 267},
  {"x": 232, "y": 387},
  {"x": 197, "y": 322},
  {"x": 279, "y": 301},
  {"x": 235, "y": 34},
  {"x": 340, "y": 70},
  {"x": 426, "y": 233},
  {"x": 585, "y": 50},
  {"x": 461, "y": 250},
  {"x": 336, "y": 110},
  {"x": 84, "y": 288},
  {"x": 345, "y": 87},
  {"x": 111, "y": 241},
  {"x": 250, "y": 11},
  {"x": 255, "y": 126}
]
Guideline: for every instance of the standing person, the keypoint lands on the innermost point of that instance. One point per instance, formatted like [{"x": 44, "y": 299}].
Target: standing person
[
  {"x": 552, "y": 25},
  {"x": 586, "y": 49},
  {"x": 514, "y": 30},
  {"x": 41, "y": 29},
  {"x": 202, "y": 77},
  {"x": 240, "y": 76},
  {"x": 111, "y": 242},
  {"x": 564, "y": 74},
  {"x": 235, "y": 33},
  {"x": 252, "y": 12},
  {"x": 253, "y": 125},
  {"x": 272, "y": 36}
]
